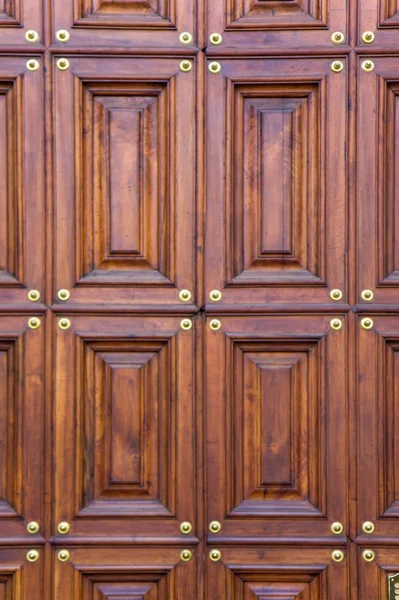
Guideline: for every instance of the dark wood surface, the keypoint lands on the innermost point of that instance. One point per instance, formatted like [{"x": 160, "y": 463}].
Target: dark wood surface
[{"x": 125, "y": 180}]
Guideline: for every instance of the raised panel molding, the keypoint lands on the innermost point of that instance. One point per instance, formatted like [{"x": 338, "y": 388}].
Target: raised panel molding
[
  {"x": 126, "y": 13},
  {"x": 10, "y": 13},
  {"x": 260, "y": 14}
]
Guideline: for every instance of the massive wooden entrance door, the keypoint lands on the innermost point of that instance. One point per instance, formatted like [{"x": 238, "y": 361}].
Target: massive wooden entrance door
[{"x": 199, "y": 300}]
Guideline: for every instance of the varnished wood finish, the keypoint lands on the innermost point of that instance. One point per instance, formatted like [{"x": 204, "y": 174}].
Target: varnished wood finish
[{"x": 18, "y": 577}]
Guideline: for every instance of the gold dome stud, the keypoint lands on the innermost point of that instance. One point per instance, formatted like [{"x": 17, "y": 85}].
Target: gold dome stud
[
  {"x": 368, "y": 527},
  {"x": 186, "y": 324},
  {"x": 186, "y": 66},
  {"x": 185, "y": 295},
  {"x": 33, "y": 527},
  {"x": 34, "y": 323},
  {"x": 63, "y": 294},
  {"x": 214, "y": 67},
  {"x": 367, "y": 323},
  {"x": 63, "y": 527},
  {"x": 215, "y": 324},
  {"x": 185, "y": 37},
  {"x": 336, "y": 294},
  {"x": 368, "y": 37},
  {"x": 337, "y": 66},
  {"x": 64, "y": 323},
  {"x": 186, "y": 555},
  {"x": 337, "y": 527},
  {"x": 185, "y": 527},
  {"x": 367, "y": 65},
  {"x": 337, "y": 555},
  {"x": 215, "y": 526},
  {"x": 337, "y": 37},
  {"x": 32, "y": 555},
  {"x": 215, "y": 295},
  {"x": 63, "y": 64},
  {"x": 32, "y": 36},
  {"x": 336, "y": 324},
  {"x": 215, "y": 39},
  {"x": 215, "y": 555},
  {"x": 32, "y": 64},
  {"x": 367, "y": 295},
  {"x": 63, "y": 555},
  {"x": 368, "y": 555},
  {"x": 63, "y": 35},
  {"x": 34, "y": 295}
]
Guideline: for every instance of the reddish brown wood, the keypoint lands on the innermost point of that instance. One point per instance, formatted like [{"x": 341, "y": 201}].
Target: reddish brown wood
[{"x": 18, "y": 577}]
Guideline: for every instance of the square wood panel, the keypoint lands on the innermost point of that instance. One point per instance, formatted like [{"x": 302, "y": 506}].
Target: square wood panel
[
  {"x": 16, "y": 18},
  {"x": 18, "y": 576}
]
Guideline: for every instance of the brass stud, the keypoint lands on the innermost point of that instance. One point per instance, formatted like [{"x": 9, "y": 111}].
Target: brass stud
[
  {"x": 185, "y": 295},
  {"x": 337, "y": 66},
  {"x": 367, "y": 323},
  {"x": 215, "y": 324},
  {"x": 215, "y": 67},
  {"x": 215, "y": 39},
  {"x": 185, "y": 37},
  {"x": 32, "y": 555},
  {"x": 185, "y": 527},
  {"x": 33, "y": 295},
  {"x": 186, "y": 324},
  {"x": 337, "y": 527},
  {"x": 368, "y": 527},
  {"x": 215, "y": 526},
  {"x": 186, "y": 555},
  {"x": 215, "y": 295},
  {"x": 34, "y": 323},
  {"x": 368, "y": 37},
  {"x": 336, "y": 294},
  {"x": 337, "y": 555},
  {"x": 33, "y": 527},
  {"x": 215, "y": 555},
  {"x": 64, "y": 323},
  {"x": 336, "y": 324},
  {"x": 63, "y": 294},
  {"x": 367, "y": 65},
  {"x": 63, "y": 555},
  {"x": 32, "y": 36},
  {"x": 63, "y": 35},
  {"x": 368, "y": 555},
  {"x": 186, "y": 66},
  {"x": 32, "y": 64},
  {"x": 367, "y": 295},
  {"x": 337, "y": 37},
  {"x": 63, "y": 64},
  {"x": 63, "y": 527}
]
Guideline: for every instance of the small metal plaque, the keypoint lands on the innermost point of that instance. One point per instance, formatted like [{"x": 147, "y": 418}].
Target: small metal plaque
[{"x": 393, "y": 587}]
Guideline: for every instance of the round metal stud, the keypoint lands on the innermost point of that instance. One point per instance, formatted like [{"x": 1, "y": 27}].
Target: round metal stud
[
  {"x": 367, "y": 295},
  {"x": 337, "y": 66},
  {"x": 185, "y": 527},
  {"x": 63, "y": 35},
  {"x": 185, "y": 295},
  {"x": 215, "y": 295},
  {"x": 186, "y": 66},
  {"x": 215, "y": 67},
  {"x": 63, "y": 64},
  {"x": 367, "y": 323},
  {"x": 337, "y": 37},
  {"x": 185, "y": 37},
  {"x": 63, "y": 294},
  {"x": 215, "y": 39},
  {"x": 32, "y": 64},
  {"x": 64, "y": 323},
  {"x": 367, "y": 65},
  {"x": 63, "y": 555},
  {"x": 337, "y": 527},
  {"x": 186, "y": 324},
  {"x": 186, "y": 555},
  {"x": 368, "y": 37},
  {"x": 34, "y": 322},
  {"x": 33, "y": 527},
  {"x": 336, "y": 324},
  {"x": 32, "y": 555},
  {"x": 336, "y": 294},
  {"x": 215, "y": 555},
  {"x": 337, "y": 555},
  {"x": 368, "y": 555},
  {"x": 368, "y": 527},
  {"x": 215, "y": 526},
  {"x": 32, "y": 36},
  {"x": 215, "y": 324},
  {"x": 34, "y": 295},
  {"x": 63, "y": 527}
]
